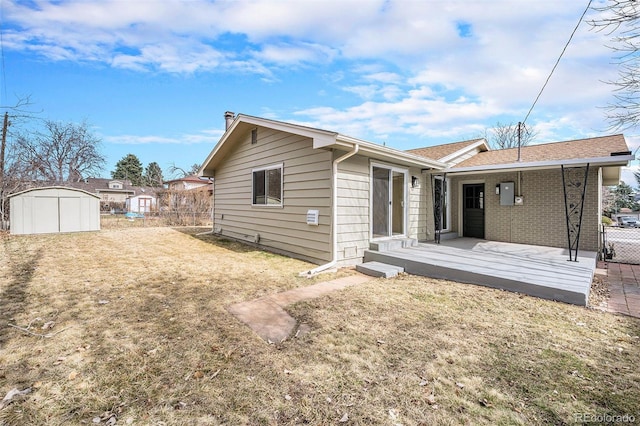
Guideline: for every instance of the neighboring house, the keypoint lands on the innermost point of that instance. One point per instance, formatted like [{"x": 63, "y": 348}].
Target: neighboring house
[
  {"x": 190, "y": 193},
  {"x": 324, "y": 197},
  {"x": 188, "y": 182},
  {"x": 120, "y": 194},
  {"x": 142, "y": 203},
  {"x": 54, "y": 209}
]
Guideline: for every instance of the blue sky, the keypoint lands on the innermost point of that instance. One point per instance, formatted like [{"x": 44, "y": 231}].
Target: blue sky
[{"x": 154, "y": 77}]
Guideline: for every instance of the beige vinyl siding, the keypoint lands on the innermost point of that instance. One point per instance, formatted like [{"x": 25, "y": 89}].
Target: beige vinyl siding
[
  {"x": 417, "y": 226},
  {"x": 354, "y": 183},
  {"x": 306, "y": 185},
  {"x": 353, "y": 209}
]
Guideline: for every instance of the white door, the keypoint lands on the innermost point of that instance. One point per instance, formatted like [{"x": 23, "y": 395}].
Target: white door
[{"x": 388, "y": 201}]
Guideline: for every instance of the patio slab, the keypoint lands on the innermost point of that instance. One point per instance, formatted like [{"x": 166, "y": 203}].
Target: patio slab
[
  {"x": 624, "y": 287},
  {"x": 268, "y": 319},
  {"x": 534, "y": 270}
]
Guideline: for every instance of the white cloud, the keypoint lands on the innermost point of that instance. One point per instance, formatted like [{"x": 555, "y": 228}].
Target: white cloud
[
  {"x": 206, "y": 137},
  {"x": 405, "y": 66}
]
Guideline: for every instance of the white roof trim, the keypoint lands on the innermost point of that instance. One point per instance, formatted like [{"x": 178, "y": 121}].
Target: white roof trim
[
  {"x": 465, "y": 150},
  {"x": 615, "y": 160},
  {"x": 322, "y": 139},
  {"x": 392, "y": 153},
  {"x": 323, "y": 136}
]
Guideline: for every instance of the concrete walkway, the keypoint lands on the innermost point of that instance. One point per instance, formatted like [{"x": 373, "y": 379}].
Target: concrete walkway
[
  {"x": 624, "y": 287},
  {"x": 271, "y": 322}
]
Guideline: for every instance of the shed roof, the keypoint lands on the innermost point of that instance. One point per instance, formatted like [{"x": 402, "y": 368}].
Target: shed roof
[{"x": 46, "y": 188}]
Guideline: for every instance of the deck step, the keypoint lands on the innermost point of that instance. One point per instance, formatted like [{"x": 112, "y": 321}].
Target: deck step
[
  {"x": 388, "y": 245},
  {"x": 379, "y": 269}
]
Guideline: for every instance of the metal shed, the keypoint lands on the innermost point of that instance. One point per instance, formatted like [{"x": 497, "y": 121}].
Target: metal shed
[{"x": 54, "y": 209}]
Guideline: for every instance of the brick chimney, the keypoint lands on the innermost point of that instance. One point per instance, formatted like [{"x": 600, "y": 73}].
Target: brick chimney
[{"x": 228, "y": 119}]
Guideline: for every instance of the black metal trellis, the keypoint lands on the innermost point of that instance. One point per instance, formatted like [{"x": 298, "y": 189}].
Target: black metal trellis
[
  {"x": 574, "y": 183},
  {"x": 439, "y": 197}
]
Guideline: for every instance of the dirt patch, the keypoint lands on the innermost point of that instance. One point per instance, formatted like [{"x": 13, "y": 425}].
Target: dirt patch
[{"x": 599, "y": 294}]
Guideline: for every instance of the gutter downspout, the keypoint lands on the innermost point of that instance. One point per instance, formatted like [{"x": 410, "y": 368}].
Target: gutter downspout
[{"x": 334, "y": 213}]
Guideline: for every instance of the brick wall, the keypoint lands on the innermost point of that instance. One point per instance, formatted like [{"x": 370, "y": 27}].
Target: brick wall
[{"x": 541, "y": 219}]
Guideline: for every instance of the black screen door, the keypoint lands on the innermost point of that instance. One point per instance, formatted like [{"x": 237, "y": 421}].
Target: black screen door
[{"x": 473, "y": 210}]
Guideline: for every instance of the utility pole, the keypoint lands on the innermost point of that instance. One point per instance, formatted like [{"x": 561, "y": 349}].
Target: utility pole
[
  {"x": 5, "y": 125},
  {"x": 519, "y": 139}
]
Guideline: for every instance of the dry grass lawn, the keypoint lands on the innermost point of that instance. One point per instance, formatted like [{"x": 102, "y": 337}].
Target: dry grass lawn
[{"x": 138, "y": 334}]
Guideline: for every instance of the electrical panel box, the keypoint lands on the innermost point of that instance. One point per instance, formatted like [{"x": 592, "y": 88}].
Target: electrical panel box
[{"x": 507, "y": 193}]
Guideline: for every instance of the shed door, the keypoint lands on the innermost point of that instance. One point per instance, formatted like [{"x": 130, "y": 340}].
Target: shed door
[
  {"x": 70, "y": 214},
  {"x": 45, "y": 215},
  {"x": 473, "y": 210}
]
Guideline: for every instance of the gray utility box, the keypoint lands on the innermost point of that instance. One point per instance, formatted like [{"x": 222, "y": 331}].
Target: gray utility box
[{"x": 507, "y": 193}]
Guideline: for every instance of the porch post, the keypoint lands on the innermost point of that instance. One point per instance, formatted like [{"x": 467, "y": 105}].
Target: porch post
[
  {"x": 439, "y": 197},
  {"x": 574, "y": 186}
]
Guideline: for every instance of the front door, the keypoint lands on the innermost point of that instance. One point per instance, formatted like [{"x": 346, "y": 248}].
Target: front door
[
  {"x": 388, "y": 202},
  {"x": 473, "y": 210}
]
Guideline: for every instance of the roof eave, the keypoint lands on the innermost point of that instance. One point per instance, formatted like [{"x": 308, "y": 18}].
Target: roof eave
[
  {"x": 320, "y": 137},
  {"x": 467, "y": 149},
  {"x": 392, "y": 154},
  {"x": 620, "y": 161}
]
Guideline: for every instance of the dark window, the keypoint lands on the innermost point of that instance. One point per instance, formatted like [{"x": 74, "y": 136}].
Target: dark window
[{"x": 267, "y": 186}]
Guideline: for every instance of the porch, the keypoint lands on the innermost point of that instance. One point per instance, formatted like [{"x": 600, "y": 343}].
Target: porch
[{"x": 539, "y": 271}]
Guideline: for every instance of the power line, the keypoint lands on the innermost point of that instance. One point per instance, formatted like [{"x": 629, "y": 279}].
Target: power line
[{"x": 558, "y": 61}]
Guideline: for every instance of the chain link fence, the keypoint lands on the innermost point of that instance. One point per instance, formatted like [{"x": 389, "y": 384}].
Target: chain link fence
[
  {"x": 621, "y": 242},
  {"x": 149, "y": 219}
]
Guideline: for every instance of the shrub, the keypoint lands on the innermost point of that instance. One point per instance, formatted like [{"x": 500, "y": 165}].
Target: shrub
[{"x": 606, "y": 221}]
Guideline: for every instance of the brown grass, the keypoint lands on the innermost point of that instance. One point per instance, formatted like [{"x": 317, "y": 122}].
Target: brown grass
[{"x": 144, "y": 337}]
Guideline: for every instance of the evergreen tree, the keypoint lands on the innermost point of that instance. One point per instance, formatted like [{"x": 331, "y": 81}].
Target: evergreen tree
[
  {"x": 153, "y": 175},
  {"x": 129, "y": 168},
  {"x": 624, "y": 197}
]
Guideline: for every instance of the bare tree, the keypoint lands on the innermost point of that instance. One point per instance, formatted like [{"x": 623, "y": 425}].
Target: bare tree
[
  {"x": 10, "y": 172},
  {"x": 185, "y": 207},
  {"x": 503, "y": 136},
  {"x": 621, "y": 18},
  {"x": 62, "y": 152},
  {"x": 179, "y": 172}
]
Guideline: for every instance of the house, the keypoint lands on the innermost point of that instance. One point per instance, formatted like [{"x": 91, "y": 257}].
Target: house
[
  {"x": 325, "y": 197},
  {"x": 119, "y": 194},
  {"x": 141, "y": 203},
  {"x": 188, "y": 182},
  {"x": 54, "y": 209}
]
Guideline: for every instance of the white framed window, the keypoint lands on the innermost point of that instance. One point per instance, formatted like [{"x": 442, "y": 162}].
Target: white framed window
[
  {"x": 267, "y": 186},
  {"x": 388, "y": 201}
]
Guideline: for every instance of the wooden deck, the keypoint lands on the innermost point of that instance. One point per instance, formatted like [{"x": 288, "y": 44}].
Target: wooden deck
[{"x": 538, "y": 271}]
